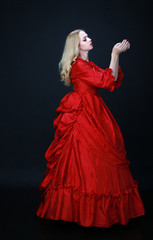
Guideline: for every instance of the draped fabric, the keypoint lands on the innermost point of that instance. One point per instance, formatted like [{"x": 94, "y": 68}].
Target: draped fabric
[{"x": 88, "y": 179}]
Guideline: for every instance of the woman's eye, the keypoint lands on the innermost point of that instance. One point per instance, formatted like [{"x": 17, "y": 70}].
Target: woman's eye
[{"x": 84, "y": 39}]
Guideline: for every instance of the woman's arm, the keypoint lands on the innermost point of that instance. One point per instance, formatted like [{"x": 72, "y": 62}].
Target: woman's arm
[
  {"x": 116, "y": 51},
  {"x": 114, "y": 64}
]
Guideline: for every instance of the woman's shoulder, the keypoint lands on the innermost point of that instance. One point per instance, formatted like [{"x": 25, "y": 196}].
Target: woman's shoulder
[
  {"x": 81, "y": 62},
  {"x": 79, "y": 66}
]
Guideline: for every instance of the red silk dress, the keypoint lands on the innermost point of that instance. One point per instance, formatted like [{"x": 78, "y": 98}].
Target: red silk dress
[{"x": 88, "y": 180}]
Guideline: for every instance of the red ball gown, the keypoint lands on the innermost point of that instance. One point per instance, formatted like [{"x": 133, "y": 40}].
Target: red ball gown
[{"x": 88, "y": 179}]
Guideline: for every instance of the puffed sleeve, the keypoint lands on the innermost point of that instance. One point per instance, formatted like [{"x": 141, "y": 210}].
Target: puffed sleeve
[{"x": 95, "y": 76}]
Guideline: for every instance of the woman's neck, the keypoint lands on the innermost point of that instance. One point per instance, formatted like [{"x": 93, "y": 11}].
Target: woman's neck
[{"x": 84, "y": 56}]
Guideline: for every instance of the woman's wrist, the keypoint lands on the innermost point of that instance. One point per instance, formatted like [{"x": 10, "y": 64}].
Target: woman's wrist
[{"x": 114, "y": 54}]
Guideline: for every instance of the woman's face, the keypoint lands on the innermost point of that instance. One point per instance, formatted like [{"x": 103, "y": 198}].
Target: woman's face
[{"x": 85, "y": 43}]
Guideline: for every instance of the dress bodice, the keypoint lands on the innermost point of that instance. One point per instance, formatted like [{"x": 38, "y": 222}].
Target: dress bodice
[{"x": 82, "y": 87}]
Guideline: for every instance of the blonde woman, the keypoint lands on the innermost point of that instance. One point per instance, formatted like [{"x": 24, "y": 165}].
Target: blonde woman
[{"x": 88, "y": 179}]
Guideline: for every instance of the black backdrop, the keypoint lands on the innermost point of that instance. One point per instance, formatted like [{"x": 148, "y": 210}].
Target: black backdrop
[{"x": 32, "y": 37}]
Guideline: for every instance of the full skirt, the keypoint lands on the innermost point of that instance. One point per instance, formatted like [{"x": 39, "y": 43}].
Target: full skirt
[{"x": 88, "y": 179}]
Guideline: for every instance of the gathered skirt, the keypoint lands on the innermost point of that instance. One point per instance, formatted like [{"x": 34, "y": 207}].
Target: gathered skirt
[{"x": 88, "y": 179}]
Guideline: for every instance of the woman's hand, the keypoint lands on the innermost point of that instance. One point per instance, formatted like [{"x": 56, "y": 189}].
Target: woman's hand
[{"x": 121, "y": 47}]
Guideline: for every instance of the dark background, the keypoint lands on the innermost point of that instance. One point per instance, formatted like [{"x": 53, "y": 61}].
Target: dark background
[{"x": 32, "y": 38}]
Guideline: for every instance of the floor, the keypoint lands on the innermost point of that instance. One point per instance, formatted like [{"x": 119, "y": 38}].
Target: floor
[{"x": 19, "y": 221}]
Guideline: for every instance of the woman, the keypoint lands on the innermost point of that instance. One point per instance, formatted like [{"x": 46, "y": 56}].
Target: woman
[{"x": 88, "y": 179}]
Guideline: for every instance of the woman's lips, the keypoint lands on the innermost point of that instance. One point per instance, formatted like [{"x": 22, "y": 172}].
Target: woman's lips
[{"x": 91, "y": 44}]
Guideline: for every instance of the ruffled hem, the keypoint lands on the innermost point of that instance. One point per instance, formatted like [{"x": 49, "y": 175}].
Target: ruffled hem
[
  {"x": 79, "y": 192},
  {"x": 70, "y": 203}
]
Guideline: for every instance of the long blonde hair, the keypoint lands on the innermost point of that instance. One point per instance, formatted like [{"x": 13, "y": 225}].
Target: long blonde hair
[{"x": 70, "y": 53}]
